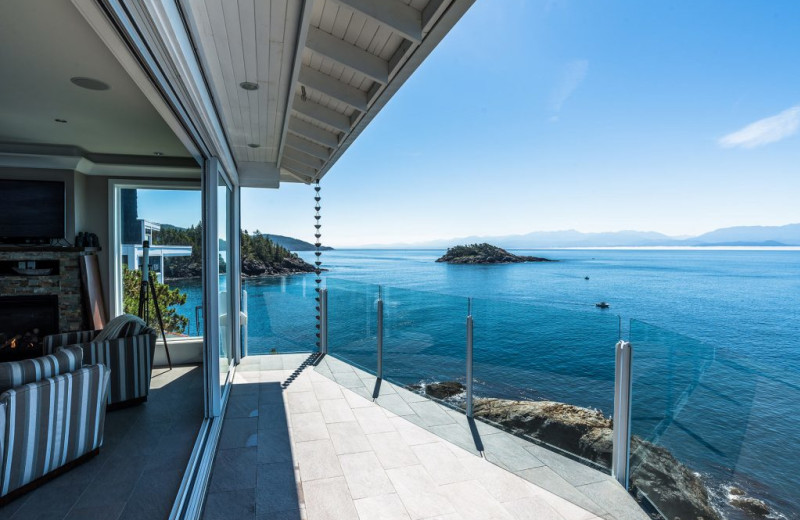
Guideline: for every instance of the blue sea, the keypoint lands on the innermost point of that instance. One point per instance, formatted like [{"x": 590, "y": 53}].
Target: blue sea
[{"x": 716, "y": 337}]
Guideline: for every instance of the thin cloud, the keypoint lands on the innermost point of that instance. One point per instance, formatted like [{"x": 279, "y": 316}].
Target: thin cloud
[
  {"x": 574, "y": 74},
  {"x": 764, "y": 131}
]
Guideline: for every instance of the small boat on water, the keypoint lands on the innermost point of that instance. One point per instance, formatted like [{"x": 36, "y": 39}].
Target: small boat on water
[
  {"x": 602, "y": 305},
  {"x": 585, "y": 277}
]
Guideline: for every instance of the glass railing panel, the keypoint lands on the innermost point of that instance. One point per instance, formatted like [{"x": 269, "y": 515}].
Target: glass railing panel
[
  {"x": 708, "y": 424},
  {"x": 352, "y": 322},
  {"x": 547, "y": 358},
  {"x": 424, "y": 338},
  {"x": 281, "y": 314}
]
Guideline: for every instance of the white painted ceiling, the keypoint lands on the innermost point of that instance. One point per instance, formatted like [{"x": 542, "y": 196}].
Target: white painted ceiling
[
  {"x": 324, "y": 68},
  {"x": 44, "y": 43}
]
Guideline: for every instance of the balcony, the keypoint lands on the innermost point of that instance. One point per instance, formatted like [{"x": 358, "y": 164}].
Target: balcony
[{"x": 315, "y": 437}]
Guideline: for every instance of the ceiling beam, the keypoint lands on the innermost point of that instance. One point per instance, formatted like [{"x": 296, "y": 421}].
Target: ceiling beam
[
  {"x": 306, "y": 146},
  {"x": 394, "y": 14},
  {"x": 313, "y": 133},
  {"x": 300, "y": 44},
  {"x": 299, "y": 168},
  {"x": 321, "y": 113},
  {"x": 303, "y": 158},
  {"x": 334, "y": 88},
  {"x": 349, "y": 55}
]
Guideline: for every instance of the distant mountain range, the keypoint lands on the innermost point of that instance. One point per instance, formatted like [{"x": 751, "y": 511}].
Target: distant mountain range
[
  {"x": 753, "y": 236},
  {"x": 295, "y": 244}
]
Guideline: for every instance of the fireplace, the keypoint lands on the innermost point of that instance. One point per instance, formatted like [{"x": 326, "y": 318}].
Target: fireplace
[{"x": 24, "y": 321}]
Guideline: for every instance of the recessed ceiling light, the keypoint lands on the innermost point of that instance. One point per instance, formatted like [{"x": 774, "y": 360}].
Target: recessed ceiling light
[
  {"x": 248, "y": 85},
  {"x": 254, "y": 145},
  {"x": 57, "y": 120},
  {"x": 89, "y": 83},
  {"x": 158, "y": 153}
]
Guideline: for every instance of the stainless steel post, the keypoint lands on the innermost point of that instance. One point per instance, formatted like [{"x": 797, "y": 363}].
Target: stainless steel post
[
  {"x": 323, "y": 329},
  {"x": 621, "y": 456},
  {"x": 380, "y": 334},
  {"x": 469, "y": 358}
]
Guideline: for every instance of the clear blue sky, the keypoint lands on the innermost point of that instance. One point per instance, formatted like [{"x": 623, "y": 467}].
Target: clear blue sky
[{"x": 678, "y": 117}]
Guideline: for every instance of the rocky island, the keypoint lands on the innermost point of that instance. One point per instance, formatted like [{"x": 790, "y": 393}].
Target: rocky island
[{"x": 485, "y": 254}]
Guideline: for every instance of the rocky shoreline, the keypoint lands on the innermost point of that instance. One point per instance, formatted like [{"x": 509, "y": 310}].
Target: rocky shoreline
[
  {"x": 679, "y": 492},
  {"x": 485, "y": 254},
  {"x": 250, "y": 269}
]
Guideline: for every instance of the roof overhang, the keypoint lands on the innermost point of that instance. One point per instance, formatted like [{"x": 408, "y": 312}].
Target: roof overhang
[{"x": 322, "y": 70}]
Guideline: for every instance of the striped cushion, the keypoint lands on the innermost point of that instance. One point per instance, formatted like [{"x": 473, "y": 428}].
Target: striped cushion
[
  {"x": 16, "y": 373},
  {"x": 130, "y": 361},
  {"x": 53, "y": 341},
  {"x": 123, "y": 326},
  {"x": 50, "y": 423}
]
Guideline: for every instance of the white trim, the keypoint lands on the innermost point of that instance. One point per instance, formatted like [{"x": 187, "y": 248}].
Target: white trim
[
  {"x": 211, "y": 288},
  {"x": 115, "y": 250}
]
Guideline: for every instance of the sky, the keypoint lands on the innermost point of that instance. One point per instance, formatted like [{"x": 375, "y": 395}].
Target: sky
[{"x": 676, "y": 117}]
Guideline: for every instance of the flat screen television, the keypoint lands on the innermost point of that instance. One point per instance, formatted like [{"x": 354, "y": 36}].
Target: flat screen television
[{"x": 31, "y": 212}]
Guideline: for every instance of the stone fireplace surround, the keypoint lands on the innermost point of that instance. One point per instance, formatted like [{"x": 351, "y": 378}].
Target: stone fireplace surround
[{"x": 65, "y": 282}]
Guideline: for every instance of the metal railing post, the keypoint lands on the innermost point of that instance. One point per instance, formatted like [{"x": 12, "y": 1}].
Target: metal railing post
[
  {"x": 621, "y": 456},
  {"x": 469, "y": 357},
  {"x": 380, "y": 334},
  {"x": 323, "y": 313}
]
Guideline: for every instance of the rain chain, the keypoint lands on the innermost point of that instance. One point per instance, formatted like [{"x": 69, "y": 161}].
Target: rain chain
[{"x": 318, "y": 261}]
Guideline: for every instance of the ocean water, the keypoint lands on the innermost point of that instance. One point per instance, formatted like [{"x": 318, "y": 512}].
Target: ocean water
[{"x": 716, "y": 337}]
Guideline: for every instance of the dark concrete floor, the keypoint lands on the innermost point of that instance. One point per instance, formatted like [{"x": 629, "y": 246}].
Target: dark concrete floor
[{"x": 140, "y": 466}]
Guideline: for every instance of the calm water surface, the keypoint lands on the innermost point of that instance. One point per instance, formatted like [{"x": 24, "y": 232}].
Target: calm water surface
[{"x": 716, "y": 337}]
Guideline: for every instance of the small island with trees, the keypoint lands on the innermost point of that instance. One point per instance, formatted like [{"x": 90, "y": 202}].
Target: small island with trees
[{"x": 485, "y": 254}]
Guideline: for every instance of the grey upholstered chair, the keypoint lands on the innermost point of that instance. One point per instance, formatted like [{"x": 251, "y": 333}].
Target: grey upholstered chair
[
  {"x": 129, "y": 358},
  {"x": 52, "y": 415}
]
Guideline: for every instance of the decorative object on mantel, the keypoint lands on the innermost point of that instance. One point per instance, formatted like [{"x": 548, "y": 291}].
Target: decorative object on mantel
[
  {"x": 93, "y": 291},
  {"x": 89, "y": 241}
]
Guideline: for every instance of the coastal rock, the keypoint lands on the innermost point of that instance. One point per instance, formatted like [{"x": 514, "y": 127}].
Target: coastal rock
[
  {"x": 444, "y": 390},
  {"x": 485, "y": 254},
  {"x": 753, "y": 506},
  {"x": 588, "y": 433}
]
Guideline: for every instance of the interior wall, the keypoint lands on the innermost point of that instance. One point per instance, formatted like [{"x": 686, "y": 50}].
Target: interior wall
[
  {"x": 94, "y": 219},
  {"x": 35, "y": 174}
]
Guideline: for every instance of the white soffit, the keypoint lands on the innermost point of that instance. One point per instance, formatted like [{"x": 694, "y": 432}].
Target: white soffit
[
  {"x": 324, "y": 69},
  {"x": 42, "y": 45}
]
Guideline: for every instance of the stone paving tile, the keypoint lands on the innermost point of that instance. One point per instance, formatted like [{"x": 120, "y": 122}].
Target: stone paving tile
[
  {"x": 392, "y": 450},
  {"x": 419, "y": 493},
  {"x": 373, "y": 420},
  {"x": 302, "y": 402},
  {"x": 395, "y": 404},
  {"x": 559, "y": 488},
  {"x": 348, "y": 437},
  {"x": 431, "y": 413},
  {"x": 316, "y": 460},
  {"x": 308, "y": 427},
  {"x": 440, "y": 462},
  {"x": 336, "y": 411},
  {"x": 329, "y": 499},
  {"x": 382, "y": 507},
  {"x": 473, "y": 502},
  {"x": 365, "y": 476},
  {"x": 532, "y": 508}
]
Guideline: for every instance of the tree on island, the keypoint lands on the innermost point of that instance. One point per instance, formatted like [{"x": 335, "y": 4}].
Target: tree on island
[{"x": 485, "y": 254}]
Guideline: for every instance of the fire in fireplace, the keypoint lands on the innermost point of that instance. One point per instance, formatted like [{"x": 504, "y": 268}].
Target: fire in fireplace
[{"x": 24, "y": 321}]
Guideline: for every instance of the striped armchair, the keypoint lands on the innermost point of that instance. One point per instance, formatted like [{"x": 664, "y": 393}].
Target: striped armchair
[
  {"x": 52, "y": 415},
  {"x": 130, "y": 360}
]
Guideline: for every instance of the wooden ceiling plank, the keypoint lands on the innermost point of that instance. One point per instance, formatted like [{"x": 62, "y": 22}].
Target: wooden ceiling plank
[
  {"x": 321, "y": 113},
  {"x": 348, "y": 55},
  {"x": 394, "y": 14},
  {"x": 313, "y": 133},
  {"x": 336, "y": 89},
  {"x": 307, "y": 147}
]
